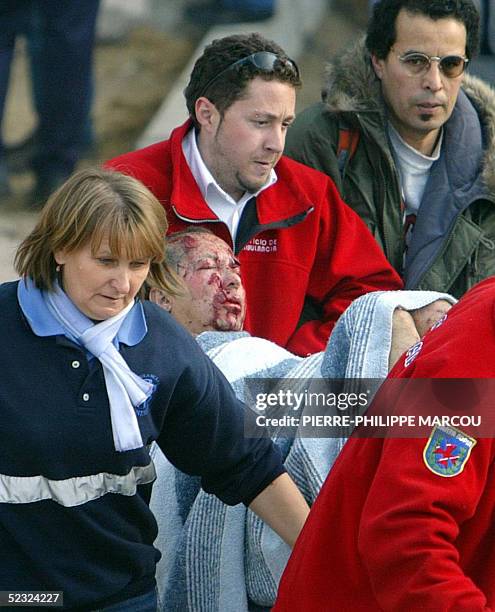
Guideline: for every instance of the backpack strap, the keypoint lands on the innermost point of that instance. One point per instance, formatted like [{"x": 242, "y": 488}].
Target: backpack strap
[{"x": 347, "y": 145}]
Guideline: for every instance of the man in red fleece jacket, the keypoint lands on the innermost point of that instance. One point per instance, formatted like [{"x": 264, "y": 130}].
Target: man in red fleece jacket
[
  {"x": 299, "y": 245},
  {"x": 407, "y": 523}
]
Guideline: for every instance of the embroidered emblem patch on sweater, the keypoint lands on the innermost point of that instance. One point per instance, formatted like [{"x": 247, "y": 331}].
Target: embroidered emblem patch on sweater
[{"x": 447, "y": 451}]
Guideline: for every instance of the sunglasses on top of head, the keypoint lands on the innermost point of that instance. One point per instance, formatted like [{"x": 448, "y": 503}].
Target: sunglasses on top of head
[{"x": 263, "y": 60}]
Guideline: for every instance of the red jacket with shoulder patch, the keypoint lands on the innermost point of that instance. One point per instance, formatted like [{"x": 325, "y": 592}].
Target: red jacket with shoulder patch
[
  {"x": 303, "y": 243},
  {"x": 387, "y": 532}
]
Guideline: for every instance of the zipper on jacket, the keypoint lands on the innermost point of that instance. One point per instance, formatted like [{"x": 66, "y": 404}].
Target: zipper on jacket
[
  {"x": 257, "y": 229},
  {"x": 389, "y": 242},
  {"x": 194, "y": 221},
  {"x": 275, "y": 225}
]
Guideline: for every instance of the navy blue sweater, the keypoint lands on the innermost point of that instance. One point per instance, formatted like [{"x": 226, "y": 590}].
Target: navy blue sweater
[{"x": 77, "y": 519}]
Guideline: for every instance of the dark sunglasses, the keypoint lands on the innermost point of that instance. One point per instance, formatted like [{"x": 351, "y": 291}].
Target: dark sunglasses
[
  {"x": 417, "y": 64},
  {"x": 263, "y": 60}
]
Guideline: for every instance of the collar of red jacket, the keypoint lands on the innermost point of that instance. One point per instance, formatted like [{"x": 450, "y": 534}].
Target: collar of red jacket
[{"x": 285, "y": 199}]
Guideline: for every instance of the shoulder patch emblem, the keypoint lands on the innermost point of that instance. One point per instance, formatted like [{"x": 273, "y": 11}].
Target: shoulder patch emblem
[{"x": 447, "y": 451}]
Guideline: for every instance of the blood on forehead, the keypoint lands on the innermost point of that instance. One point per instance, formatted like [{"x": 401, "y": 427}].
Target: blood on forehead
[
  {"x": 190, "y": 242},
  {"x": 215, "y": 245}
]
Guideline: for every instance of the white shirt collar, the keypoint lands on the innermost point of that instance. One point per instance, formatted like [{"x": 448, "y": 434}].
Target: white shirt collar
[{"x": 221, "y": 203}]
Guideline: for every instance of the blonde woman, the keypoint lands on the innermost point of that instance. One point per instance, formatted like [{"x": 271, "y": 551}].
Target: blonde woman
[{"x": 90, "y": 377}]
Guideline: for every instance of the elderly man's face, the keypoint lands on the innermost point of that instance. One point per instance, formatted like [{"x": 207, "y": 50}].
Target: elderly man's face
[
  {"x": 215, "y": 298},
  {"x": 420, "y": 104}
]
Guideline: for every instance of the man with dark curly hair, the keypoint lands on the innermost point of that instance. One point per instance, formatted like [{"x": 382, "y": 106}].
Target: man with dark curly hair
[
  {"x": 296, "y": 240},
  {"x": 408, "y": 138}
]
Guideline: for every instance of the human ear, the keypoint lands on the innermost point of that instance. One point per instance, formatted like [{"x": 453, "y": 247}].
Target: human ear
[
  {"x": 377, "y": 66},
  {"x": 60, "y": 257},
  {"x": 206, "y": 113},
  {"x": 160, "y": 298}
]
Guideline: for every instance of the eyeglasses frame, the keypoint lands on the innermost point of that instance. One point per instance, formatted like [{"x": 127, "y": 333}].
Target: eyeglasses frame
[{"x": 436, "y": 58}]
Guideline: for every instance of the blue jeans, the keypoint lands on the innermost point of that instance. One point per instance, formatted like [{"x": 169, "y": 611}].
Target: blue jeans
[{"x": 142, "y": 603}]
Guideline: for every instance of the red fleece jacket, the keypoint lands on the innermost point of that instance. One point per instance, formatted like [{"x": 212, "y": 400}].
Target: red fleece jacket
[
  {"x": 304, "y": 243},
  {"x": 389, "y": 533}
]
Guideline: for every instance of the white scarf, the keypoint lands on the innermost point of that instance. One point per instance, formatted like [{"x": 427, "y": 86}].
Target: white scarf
[{"x": 125, "y": 389}]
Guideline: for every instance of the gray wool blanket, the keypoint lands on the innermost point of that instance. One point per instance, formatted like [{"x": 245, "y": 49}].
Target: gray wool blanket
[{"x": 218, "y": 558}]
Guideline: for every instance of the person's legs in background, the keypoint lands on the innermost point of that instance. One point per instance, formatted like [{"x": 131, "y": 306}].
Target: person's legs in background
[
  {"x": 230, "y": 11},
  {"x": 19, "y": 156},
  {"x": 261, "y": 7},
  {"x": 12, "y": 23},
  {"x": 65, "y": 32},
  {"x": 6, "y": 53}
]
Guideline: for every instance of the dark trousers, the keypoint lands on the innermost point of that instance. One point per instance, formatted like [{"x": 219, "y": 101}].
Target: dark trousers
[
  {"x": 14, "y": 18},
  {"x": 61, "y": 41}
]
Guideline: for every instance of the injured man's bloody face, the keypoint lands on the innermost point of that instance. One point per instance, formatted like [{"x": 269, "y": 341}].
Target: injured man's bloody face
[{"x": 214, "y": 298}]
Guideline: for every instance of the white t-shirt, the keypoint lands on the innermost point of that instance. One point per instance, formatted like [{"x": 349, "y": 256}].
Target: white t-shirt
[{"x": 414, "y": 169}]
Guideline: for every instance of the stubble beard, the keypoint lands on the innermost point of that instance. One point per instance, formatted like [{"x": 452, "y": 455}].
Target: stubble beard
[{"x": 245, "y": 185}]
